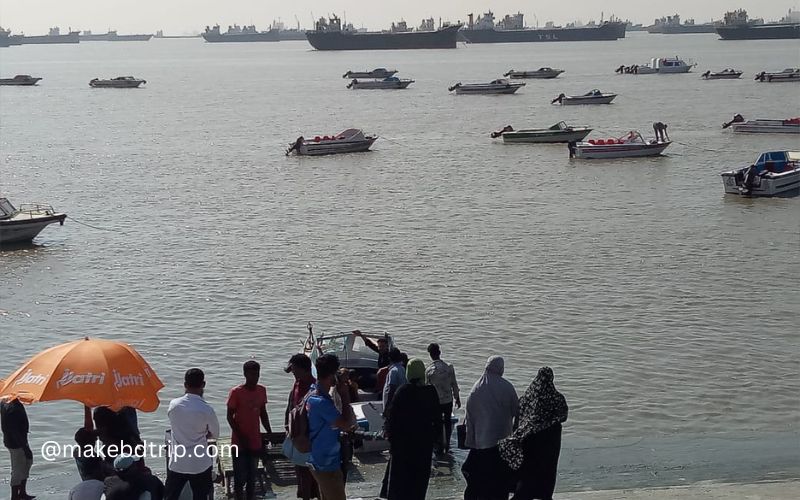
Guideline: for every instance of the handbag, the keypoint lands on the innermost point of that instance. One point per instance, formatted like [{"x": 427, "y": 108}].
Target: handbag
[
  {"x": 461, "y": 436},
  {"x": 294, "y": 456}
]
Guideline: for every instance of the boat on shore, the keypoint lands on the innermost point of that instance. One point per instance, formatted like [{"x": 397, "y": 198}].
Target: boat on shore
[
  {"x": 760, "y": 126},
  {"x": 119, "y": 82},
  {"x": 351, "y": 140},
  {"x": 738, "y": 26},
  {"x": 499, "y": 86},
  {"x": 391, "y": 82},
  {"x": 512, "y": 29},
  {"x": 20, "y": 80},
  {"x": 632, "y": 145},
  {"x": 238, "y": 33},
  {"x": 53, "y": 36},
  {"x": 23, "y": 224},
  {"x": 542, "y": 73},
  {"x": 558, "y": 133},
  {"x": 113, "y": 36},
  {"x": 331, "y": 35},
  {"x": 375, "y": 73},
  {"x": 725, "y": 74},
  {"x": 787, "y": 75},
  {"x": 773, "y": 173},
  {"x": 592, "y": 97}
]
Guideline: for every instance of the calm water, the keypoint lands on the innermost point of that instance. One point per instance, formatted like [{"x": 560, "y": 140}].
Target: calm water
[{"x": 668, "y": 310}]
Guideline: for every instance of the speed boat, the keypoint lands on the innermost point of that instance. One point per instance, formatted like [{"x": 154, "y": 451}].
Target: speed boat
[
  {"x": 20, "y": 80},
  {"x": 787, "y": 75},
  {"x": 740, "y": 125},
  {"x": 120, "y": 82},
  {"x": 558, "y": 133},
  {"x": 591, "y": 97},
  {"x": 391, "y": 82},
  {"x": 632, "y": 145},
  {"x": 725, "y": 74},
  {"x": 773, "y": 173},
  {"x": 671, "y": 65},
  {"x": 543, "y": 73},
  {"x": 500, "y": 86},
  {"x": 375, "y": 73},
  {"x": 23, "y": 224},
  {"x": 351, "y": 140}
]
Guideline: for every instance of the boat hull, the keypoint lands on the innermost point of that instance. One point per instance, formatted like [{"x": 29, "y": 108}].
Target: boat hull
[
  {"x": 381, "y": 85},
  {"x": 22, "y": 231},
  {"x": 545, "y": 137},
  {"x": 465, "y": 90},
  {"x": 19, "y": 83},
  {"x": 444, "y": 38},
  {"x": 112, "y": 37},
  {"x": 264, "y": 36},
  {"x": 605, "y": 32},
  {"x": 760, "y": 32},
  {"x": 766, "y": 127},
  {"x": 116, "y": 84},
  {"x": 722, "y": 76},
  {"x": 685, "y": 29},
  {"x": 637, "y": 150},
  {"x": 579, "y": 100},
  {"x": 331, "y": 147},
  {"x": 769, "y": 184},
  {"x": 44, "y": 39},
  {"x": 517, "y": 75},
  {"x": 370, "y": 74}
]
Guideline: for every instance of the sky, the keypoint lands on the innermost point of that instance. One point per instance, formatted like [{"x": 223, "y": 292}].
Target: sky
[{"x": 187, "y": 16}]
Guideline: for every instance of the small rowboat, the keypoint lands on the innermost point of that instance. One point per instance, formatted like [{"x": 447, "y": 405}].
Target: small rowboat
[
  {"x": 593, "y": 97},
  {"x": 558, "y": 133},
  {"x": 787, "y": 75},
  {"x": 774, "y": 173},
  {"x": 739, "y": 125},
  {"x": 387, "y": 83},
  {"x": 375, "y": 73},
  {"x": 631, "y": 146},
  {"x": 351, "y": 140},
  {"x": 725, "y": 74},
  {"x": 120, "y": 82},
  {"x": 20, "y": 80},
  {"x": 501, "y": 86},
  {"x": 544, "y": 73}
]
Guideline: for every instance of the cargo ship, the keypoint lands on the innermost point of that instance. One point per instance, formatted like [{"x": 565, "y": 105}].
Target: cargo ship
[
  {"x": 237, "y": 33},
  {"x": 53, "y": 36},
  {"x": 112, "y": 36},
  {"x": 511, "y": 29},
  {"x": 5, "y": 37},
  {"x": 330, "y": 35},
  {"x": 671, "y": 25},
  {"x": 737, "y": 26}
]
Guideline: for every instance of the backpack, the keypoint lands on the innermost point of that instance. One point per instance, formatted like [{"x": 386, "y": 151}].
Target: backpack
[{"x": 299, "y": 426}]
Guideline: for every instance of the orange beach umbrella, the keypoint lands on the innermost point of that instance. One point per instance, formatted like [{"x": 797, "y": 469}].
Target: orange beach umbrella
[{"x": 92, "y": 371}]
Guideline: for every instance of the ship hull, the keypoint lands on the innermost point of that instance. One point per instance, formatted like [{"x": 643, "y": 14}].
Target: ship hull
[
  {"x": 688, "y": 29},
  {"x": 264, "y": 36},
  {"x": 760, "y": 32},
  {"x": 444, "y": 38},
  {"x": 37, "y": 40},
  {"x": 115, "y": 38},
  {"x": 607, "y": 31}
]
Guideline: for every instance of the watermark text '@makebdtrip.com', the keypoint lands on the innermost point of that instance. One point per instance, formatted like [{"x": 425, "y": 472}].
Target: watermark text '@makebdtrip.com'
[{"x": 53, "y": 450}]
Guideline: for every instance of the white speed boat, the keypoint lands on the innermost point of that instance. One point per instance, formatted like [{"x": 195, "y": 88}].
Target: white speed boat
[
  {"x": 23, "y": 224},
  {"x": 500, "y": 86},
  {"x": 542, "y": 73},
  {"x": 591, "y": 97},
  {"x": 375, "y": 73},
  {"x": 120, "y": 82},
  {"x": 774, "y": 173},
  {"x": 725, "y": 74},
  {"x": 671, "y": 65},
  {"x": 351, "y": 140},
  {"x": 787, "y": 75},
  {"x": 632, "y": 145},
  {"x": 20, "y": 80},
  {"x": 391, "y": 82},
  {"x": 760, "y": 126}
]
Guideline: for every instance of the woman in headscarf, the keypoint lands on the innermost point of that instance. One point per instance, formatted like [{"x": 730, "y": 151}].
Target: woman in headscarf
[
  {"x": 533, "y": 449},
  {"x": 491, "y": 410},
  {"x": 411, "y": 428}
]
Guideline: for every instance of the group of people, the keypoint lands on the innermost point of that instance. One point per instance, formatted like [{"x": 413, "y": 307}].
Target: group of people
[{"x": 513, "y": 443}]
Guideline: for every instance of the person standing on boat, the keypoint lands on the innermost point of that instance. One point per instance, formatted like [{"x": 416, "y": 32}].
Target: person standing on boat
[
  {"x": 300, "y": 366},
  {"x": 442, "y": 377},
  {"x": 324, "y": 424},
  {"x": 412, "y": 429},
  {"x": 15, "y": 425},
  {"x": 492, "y": 409},
  {"x": 533, "y": 448},
  {"x": 381, "y": 347},
  {"x": 247, "y": 407}
]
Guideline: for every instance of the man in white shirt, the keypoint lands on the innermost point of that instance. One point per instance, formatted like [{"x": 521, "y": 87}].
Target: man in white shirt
[
  {"x": 443, "y": 377},
  {"x": 192, "y": 422}
]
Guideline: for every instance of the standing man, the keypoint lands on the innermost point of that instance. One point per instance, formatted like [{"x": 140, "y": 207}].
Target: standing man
[
  {"x": 324, "y": 424},
  {"x": 300, "y": 366},
  {"x": 395, "y": 378},
  {"x": 14, "y": 423},
  {"x": 247, "y": 405},
  {"x": 192, "y": 422},
  {"x": 443, "y": 377}
]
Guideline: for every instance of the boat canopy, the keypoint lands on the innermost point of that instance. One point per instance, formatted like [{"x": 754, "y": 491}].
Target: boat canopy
[
  {"x": 777, "y": 161},
  {"x": 559, "y": 126},
  {"x": 6, "y": 208}
]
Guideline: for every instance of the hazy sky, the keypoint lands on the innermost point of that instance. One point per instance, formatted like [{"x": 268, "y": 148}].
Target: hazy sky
[{"x": 182, "y": 16}]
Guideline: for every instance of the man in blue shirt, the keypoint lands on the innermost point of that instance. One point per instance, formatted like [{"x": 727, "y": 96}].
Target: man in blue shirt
[
  {"x": 324, "y": 424},
  {"x": 394, "y": 379}
]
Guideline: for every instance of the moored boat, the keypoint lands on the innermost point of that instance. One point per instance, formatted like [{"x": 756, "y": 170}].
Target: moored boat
[
  {"x": 787, "y": 75},
  {"x": 632, "y": 145},
  {"x": 761, "y": 126},
  {"x": 20, "y": 225},
  {"x": 592, "y": 97},
  {"x": 512, "y": 29},
  {"x": 558, "y": 133},
  {"x": 499, "y": 86},
  {"x": 671, "y": 65},
  {"x": 725, "y": 74},
  {"x": 237, "y": 33},
  {"x": 543, "y": 73},
  {"x": 391, "y": 82},
  {"x": 773, "y": 173},
  {"x": 348, "y": 141},
  {"x": 375, "y": 73},
  {"x": 737, "y": 26},
  {"x": 53, "y": 36},
  {"x": 331, "y": 35},
  {"x": 119, "y": 82},
  {"x": 20, "y": 80},
  {"x": 113, "y": 36}
]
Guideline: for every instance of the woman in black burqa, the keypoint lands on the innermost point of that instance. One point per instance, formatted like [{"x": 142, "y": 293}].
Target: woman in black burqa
[{"x": 532, "y": 450}]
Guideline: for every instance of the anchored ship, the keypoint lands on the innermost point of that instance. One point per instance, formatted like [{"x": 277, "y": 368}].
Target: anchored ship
[
  {"x": 737, "y": 26},
  {"x": 330, "y": 35},
  {"x": 112, "y": 36},
  {"x": 512, "y": 29},
  {"x": 237, "y": 33},
  {"x": 54, "y": 36},
  {"x": 671, "y": 25}
]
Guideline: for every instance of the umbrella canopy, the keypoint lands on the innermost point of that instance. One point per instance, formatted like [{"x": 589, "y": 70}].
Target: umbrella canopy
[{"x": 92, "y": 371}]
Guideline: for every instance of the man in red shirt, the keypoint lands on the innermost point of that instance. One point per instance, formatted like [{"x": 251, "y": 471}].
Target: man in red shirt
[{"x": 247, "y": 406}]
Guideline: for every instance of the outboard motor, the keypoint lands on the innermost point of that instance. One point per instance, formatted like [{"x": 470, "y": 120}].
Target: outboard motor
[
  {"x": 737, "y": 118},
  {"x": 507, "y": 128},
  {"x": 558, "y": 99},
  {"x": 706, "y": 74},
  {"x": 350, "y": 85},
  {"x": 620, "y": 70},
  {"x": 454, "y": 87}
]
